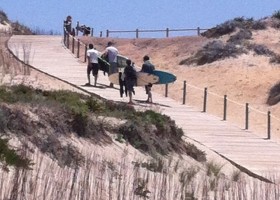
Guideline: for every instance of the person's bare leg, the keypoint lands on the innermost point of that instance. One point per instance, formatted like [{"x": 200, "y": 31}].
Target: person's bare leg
[
  {"x": 88, "y": 76},
  {"x": 150, "y": 94},
  {"x": 95, "y": 80},
  {"x": 130, "y": 97}
]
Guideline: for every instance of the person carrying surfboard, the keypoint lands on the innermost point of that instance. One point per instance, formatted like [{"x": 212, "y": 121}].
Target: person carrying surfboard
[
  {"x": 148, "y": 67},
  {"x": 111, "y": 54},
  {"x": 93, "y": 65},
  {"x": 130, "y": 79}
]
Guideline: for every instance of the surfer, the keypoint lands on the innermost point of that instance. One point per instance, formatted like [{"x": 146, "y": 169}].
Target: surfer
[
  {"x": 130, "y": 79},
  {"x": 111, "y": 54},
  {"x": 93, "y": 65},
  {"x": 148, "y": 67}
]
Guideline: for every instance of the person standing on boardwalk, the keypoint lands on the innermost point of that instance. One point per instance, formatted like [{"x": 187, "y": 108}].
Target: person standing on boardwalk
[
  {"x": 93, "y": 65},
  {"x": 148, "y": 67},
  {"x": 130, "y": 79},
  {"x": 67, "y": 29},
  {"x": 111, "y": 54}
]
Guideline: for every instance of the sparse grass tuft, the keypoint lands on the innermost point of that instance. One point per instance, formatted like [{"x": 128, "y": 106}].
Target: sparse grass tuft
[
  {"x": 260, "y": 49},
  {"x": 213, "y": 51},
  {"x": 195, "y": 153},
  {"x": 9, "y": 157},
  {"x": 213, "y": 169},
  {"x": 236, "y": 175},
  {"x": 274, "y": 95},
  {"x": 275, "y": 59}
]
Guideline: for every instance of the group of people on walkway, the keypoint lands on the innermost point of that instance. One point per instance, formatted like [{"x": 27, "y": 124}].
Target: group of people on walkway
[
  {"x": 129, "y": 76},
  {"x": 111, "y": 55}
]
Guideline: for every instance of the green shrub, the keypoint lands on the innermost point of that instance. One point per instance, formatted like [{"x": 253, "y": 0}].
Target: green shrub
[
  {"x": 276, "y": 14},
  {"x": 274, "y": 95},
  {"x": 3, "y": 120},
  {"x": 240, "y": 36},
  {"x": 79, "y": 124},
  {"x": 132, "y": 132},
  {"x": 94, "y": 105},
  {"x": 9, "y": 157},
  {"x": 213, "y": 51},
  {"x": 261, "y": 49},
  {"x": 195, "y": 153},
  {"x": 259, "y": 25},
  {"x": 15, "y": 94},
  {"x": 275, "y": 59},
  {"x": 70, "y": 100},
  {"x": 3, "y": 16}
]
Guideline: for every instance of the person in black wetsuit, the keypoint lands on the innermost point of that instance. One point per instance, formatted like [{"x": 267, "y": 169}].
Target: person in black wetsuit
[
  {"x": 130, "y": 79},
  {"x": 148, "y": 67}
]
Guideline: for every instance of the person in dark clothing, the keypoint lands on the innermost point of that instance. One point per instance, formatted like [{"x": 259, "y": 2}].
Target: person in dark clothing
[
  {"x": 148, "y": 67},
  {"x": 123, "y": 89},
  {"x": 67, "y": 29},
  {"x": 130, "y": 79}
]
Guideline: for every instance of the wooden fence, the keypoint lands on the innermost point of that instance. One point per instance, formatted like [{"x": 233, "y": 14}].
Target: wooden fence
[{"x": 167, "y": 31}]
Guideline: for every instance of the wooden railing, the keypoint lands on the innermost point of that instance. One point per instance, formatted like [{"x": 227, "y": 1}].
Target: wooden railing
[{"x": 166, "y": 31}]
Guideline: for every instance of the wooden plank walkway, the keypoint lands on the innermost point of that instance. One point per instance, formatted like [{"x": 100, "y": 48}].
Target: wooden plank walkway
[{"x": 241, "y": 147}]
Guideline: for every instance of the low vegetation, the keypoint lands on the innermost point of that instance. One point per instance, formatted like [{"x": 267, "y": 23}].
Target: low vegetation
[
  {"x": 240, "y": 33},
  {"x": 274, "y": 95},
  {"x": 10, "y": 157},
  {"x": 63, "y": 112}
]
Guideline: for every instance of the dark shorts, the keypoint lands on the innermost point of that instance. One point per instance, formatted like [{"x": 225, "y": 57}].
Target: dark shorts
[
  {"x": 129, "y": 83},
  {"x": 94, "y": 67}
]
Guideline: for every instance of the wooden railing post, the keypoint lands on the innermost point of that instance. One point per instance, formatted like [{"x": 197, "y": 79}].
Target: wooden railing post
[
  {"x": 247, "y": 116},
  {"x": 100, "y": 33},
  {"x": 137, "y": 33},
  {"x": 107, "y": 33},
  {"x": 198, "y": 31},
  {"x": 268, "y": 125},
  {"x": 91, "y": 32},
  {"x": 73, "y": 45},
  {"x": 167, "y": 32},
  {"x": 85, "y": 54},
  {"x": 184, "y": 92},
  {"x": 205, "y": 100},
  {"x": 78, "y": 25},
  {"x": 225, "y": 108},
  {"x": 166, "y": 90},
  {"x": 68, "y": 40},
  {"x": 78, "y": 48}
]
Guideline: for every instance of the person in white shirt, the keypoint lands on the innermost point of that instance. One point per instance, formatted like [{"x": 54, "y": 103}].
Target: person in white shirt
[
  {"x": 111, "y": 54},
  {"x": 93, "y": 65}
]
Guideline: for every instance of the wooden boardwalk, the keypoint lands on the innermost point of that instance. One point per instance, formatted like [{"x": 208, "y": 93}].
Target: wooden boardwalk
[{"x": 243, "y": 148}]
